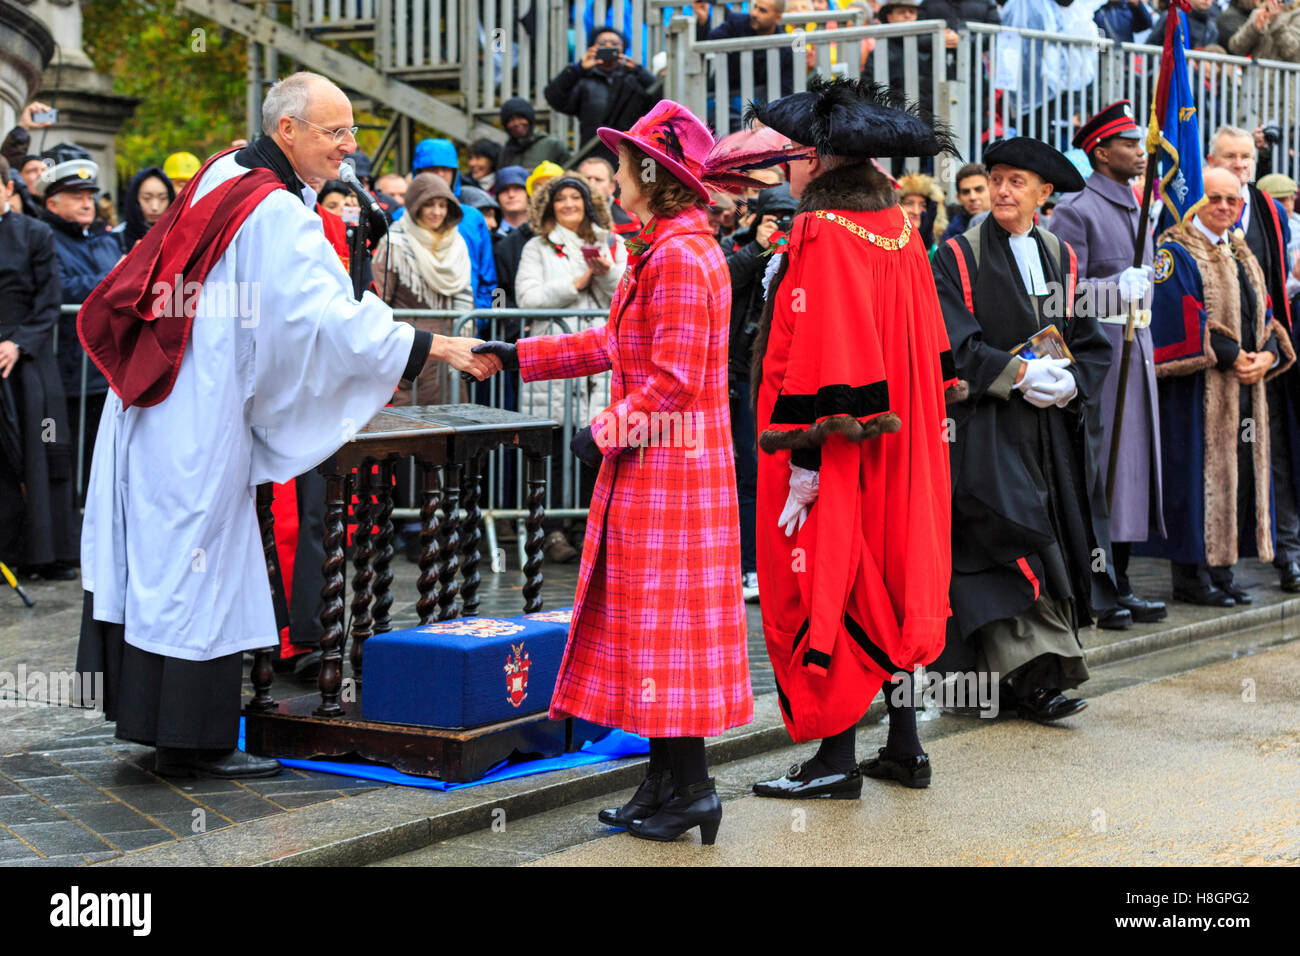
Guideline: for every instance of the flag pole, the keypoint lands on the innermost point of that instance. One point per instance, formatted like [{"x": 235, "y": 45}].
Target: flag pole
[
  {"x": 1148, "y": 184},
  {"x": 1139, "y": 251}
]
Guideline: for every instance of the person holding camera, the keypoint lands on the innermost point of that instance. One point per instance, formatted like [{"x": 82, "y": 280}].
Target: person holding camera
[
  {"x": 604, "y": 88},
  {"x": 1271, "y": 32}
]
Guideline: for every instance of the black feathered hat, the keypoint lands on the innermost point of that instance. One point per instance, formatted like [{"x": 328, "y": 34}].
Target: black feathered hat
[
  {"x": 854, "y": 118},
  {"x": 1037, "y": 157}
]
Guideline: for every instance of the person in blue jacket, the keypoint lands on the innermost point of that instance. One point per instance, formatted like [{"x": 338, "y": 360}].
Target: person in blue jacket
[
  {"x": 1118, "y": 20},
  {"x": 439, "y": 156}
]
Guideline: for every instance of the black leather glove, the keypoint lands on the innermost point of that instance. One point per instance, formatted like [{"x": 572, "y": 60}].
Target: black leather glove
[
  {"x": 507, "y": 353},
  {"x": 583, "y": 444}
]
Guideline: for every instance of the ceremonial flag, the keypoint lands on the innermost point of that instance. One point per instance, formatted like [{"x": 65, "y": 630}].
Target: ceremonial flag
[{"x": 1174, "y": 136}]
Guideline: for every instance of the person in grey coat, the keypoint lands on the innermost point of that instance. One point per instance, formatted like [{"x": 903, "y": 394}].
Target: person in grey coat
[{"x": 1101, "y": 224}]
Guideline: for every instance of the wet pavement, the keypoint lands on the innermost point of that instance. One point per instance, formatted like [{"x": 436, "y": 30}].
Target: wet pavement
[
  {"x": 70, "y": 793},
  {"x": 1199, "y": 768}
]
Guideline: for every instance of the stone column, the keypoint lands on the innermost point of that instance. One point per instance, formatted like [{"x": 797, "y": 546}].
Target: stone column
[
  {"x": 90, "y": 113},
  {"x": 26, "y": 45}
]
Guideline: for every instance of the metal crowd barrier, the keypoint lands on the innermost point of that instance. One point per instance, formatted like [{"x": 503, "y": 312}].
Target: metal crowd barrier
[
  {"x": 997, "y": 81},
  {"x": 1235, "y": 90},
  {"x": 571, "y": 402}
]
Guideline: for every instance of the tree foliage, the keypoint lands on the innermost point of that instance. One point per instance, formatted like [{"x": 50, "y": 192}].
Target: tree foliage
[
  {"x": 191, "y": 77},
  {"x": 189, "y": 74}
]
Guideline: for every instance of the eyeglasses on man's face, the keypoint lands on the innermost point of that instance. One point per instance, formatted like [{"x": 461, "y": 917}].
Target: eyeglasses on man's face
[
  {"x": 337, "y": 135},
  {"x": 1226, "y": 200}
]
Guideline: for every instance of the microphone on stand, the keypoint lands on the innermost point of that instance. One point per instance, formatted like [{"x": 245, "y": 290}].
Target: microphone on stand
[{"x": 378, "y": 221}]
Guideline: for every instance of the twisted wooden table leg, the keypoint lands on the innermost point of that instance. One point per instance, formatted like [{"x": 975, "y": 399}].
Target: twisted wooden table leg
[
  {"x": 450, "y": 538},
  {"x": 382, "y": 519},
  {"x": 263, "y": 674},
  {"x": 533, "y": 539},
  {"x": 331, "y": 615},
  {"x": 362, "y": 556},
  {"x": 472, "y": 540},
  {"x": 430, "y": 569}
]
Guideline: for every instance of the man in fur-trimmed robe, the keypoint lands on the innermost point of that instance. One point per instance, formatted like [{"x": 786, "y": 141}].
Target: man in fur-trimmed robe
[
  {"x": 1216, "y": 344},
  {"x": 851, "y": 365}
]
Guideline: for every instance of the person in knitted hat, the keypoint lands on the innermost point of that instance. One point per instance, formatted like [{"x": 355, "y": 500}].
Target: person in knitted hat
[
  {"x": 851, "y": 369},
  {"x": 657, "y": 644},
  {"x": 423, "y": 263},
  {"x": 525, "y": 147}
]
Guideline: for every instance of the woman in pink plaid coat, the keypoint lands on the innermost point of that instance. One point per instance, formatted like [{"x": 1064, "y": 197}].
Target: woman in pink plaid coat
[{"x": 658, "y": 640}]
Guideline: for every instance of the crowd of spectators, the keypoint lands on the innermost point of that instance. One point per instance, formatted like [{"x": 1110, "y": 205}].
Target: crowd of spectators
[{"x": 531, "y": 221}]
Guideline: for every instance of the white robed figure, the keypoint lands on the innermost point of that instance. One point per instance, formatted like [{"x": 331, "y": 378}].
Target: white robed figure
[{"x": 282, "y": 367}]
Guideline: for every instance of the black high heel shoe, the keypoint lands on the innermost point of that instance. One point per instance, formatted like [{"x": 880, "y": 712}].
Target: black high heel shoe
[
  {"x": 696, "y": 806},
  {"x": 655, "y": 790}
]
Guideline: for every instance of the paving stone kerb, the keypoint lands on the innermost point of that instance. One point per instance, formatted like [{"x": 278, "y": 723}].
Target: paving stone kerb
[
  {"x": 391, "y": 820},
  {"x": 379, "y": 824}
]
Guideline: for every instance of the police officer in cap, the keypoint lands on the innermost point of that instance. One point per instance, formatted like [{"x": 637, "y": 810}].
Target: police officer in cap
[
  {"x": 1100, "y": 222},
  {"x": 87, "y": 252},
  {"x": 1029, "y": 507}
]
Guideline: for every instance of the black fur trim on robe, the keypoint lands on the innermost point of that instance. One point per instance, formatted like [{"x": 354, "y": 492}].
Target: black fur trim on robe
[{"x": 859, "y": 187}]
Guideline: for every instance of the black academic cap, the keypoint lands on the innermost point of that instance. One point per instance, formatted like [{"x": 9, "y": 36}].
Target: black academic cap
[{"x": 1037, "y": 157}]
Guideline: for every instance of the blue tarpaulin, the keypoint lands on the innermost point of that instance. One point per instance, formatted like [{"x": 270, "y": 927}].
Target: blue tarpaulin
[{"x": 613, "y": 746}]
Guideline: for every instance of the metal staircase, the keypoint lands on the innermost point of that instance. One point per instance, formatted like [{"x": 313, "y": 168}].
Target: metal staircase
[{"x": 448, "y": 64}]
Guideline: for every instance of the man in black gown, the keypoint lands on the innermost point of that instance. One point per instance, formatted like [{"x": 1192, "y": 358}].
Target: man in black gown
[{"x": 1030, "y": 527}]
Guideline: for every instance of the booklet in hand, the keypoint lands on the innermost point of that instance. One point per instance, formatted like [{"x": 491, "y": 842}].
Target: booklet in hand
[{"x": 1046, "y": 343}]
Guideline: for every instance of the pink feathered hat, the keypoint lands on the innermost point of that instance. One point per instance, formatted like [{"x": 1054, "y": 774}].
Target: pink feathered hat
[{"x": 670, "y": 134}]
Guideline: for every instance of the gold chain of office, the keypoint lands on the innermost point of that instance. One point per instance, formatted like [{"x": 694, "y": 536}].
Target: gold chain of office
[{"x": 893, "y": 245}]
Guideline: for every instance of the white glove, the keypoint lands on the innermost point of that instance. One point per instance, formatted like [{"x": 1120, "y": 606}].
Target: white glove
[
  {"x": 1045, "y": 381},
  {"x": 803, "y": 492},
  {"x": 1135, "y": 283},
  {"x": 1041, "y": 372},
  {"x": 1058, "y": 393}
]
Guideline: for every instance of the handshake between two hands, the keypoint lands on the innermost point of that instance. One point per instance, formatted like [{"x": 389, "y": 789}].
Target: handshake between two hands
[{"x": 477, "y": 361}]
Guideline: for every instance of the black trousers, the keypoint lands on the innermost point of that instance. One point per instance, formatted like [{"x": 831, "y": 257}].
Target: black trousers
[{"x": 161, "y": 701}]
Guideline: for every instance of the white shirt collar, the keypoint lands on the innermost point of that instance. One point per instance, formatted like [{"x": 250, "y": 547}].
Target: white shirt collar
[{"x": 1209, "y": 233}]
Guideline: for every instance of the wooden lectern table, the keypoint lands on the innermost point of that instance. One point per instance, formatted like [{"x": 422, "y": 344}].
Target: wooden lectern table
[{"x": 449, "y": 444}]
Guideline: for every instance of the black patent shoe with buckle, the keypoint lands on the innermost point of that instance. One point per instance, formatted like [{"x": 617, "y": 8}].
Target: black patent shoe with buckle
[
  {"x": 695, "y": 806},
  {"x": 1048, "y": 704},
  {"x": 801, "y": 783},
  {"x": 911, "y": 772},
  {"x": 655, "y": 790}
]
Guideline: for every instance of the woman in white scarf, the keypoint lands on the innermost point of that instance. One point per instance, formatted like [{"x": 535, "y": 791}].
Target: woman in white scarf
[
  {"x": 554, "y": 273},
  {"x": 423, "y": 263}
]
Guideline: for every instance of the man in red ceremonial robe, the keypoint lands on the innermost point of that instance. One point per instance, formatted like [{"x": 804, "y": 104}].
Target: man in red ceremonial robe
[{"x": 851, "y": 366}]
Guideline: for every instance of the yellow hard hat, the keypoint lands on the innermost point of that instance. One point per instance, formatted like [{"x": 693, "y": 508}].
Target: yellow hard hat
[
  {"x": 181, "y": 166},
  {"x": 545, "y": 170}
]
